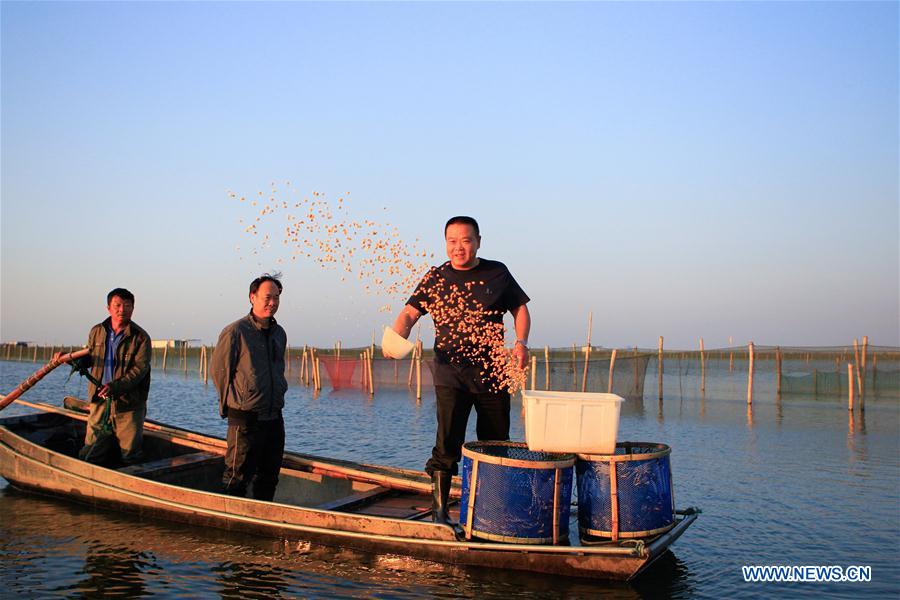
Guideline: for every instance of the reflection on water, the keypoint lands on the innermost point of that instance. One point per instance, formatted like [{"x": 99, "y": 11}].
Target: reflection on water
[{"x": 788, "y": 480}]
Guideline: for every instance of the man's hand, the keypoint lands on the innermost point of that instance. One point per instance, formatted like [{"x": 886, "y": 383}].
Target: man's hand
[
  {"x": 56, "y": 355},
  {"x": 520, "y": 351}
]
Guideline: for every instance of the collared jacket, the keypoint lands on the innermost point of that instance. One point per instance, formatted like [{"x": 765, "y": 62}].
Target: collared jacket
[
  {"x": 247, "y": 368},
  {"x": 130, "y": 385}
]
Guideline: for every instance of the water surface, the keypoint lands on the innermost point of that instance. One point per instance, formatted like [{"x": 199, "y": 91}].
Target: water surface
[{"x": 799, "y": 481}]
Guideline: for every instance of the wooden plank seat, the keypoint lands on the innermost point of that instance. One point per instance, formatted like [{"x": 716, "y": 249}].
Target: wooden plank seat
[
  {"x": 356, "y": 499},
  {"x": 170, "y": 464}
]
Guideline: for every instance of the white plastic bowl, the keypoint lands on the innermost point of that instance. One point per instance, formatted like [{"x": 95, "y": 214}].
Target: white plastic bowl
[{"x": 395, "y": 346}]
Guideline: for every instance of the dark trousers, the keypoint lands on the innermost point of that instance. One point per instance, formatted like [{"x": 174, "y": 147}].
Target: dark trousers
[
  {"x": 254, "y": 455},
  {"x": 453, "y": 408}
]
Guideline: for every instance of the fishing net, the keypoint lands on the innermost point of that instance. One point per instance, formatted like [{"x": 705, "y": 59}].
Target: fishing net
[{"x": 340, "y": 371}]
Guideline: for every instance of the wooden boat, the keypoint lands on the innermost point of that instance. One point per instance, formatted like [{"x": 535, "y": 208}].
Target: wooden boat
[{"x": 373, "y": 508}]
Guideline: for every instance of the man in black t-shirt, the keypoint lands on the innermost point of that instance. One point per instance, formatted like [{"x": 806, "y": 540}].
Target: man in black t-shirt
[{"x": 467, "y": 297}]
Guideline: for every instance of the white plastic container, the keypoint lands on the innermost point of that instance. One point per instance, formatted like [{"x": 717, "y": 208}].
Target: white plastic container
[{"x": 571, "y": 421}]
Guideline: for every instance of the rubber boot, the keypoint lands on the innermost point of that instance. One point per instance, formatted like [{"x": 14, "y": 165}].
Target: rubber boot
[{"x": 440, "y": 496}]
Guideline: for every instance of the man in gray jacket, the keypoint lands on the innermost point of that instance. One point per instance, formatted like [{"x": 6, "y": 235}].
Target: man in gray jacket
[{"x": 248, "y": 372}]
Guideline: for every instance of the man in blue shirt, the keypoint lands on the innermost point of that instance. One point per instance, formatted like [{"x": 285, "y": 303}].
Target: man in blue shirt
[{"x": 120, "y": 361}]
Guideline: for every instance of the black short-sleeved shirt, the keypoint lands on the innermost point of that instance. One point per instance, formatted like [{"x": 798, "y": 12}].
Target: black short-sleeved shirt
[{"x": 460, "y": 302}]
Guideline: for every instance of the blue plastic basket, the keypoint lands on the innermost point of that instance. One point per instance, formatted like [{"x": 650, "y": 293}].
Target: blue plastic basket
[
  {"x": 512, "y": 494},
  {"x": 637, "y": 501}
]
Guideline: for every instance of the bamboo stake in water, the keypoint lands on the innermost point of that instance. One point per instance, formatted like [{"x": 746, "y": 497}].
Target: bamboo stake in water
[
  {"x": 865, "y": 351},
  {"x": 419, "y": 373},
  {"x": 165, "y": 355},
  {"x": 546, "y": 367},
  {"x": 287, "y": 358},
  {"x": 587, "y": 352},
  {"x": 533, "y": 370},
  {"x": 574, "y": 366},
  {"x": 412, "y": 364},
  {"x": 750, "y": 376},
  {"x": 302, "y": 365},
  {"x": 659, "y": 361},
  {"x": 318, "y": 375},
  {"x": 778, "y": 370},
  {"x": 702, "y": 368},
  {"x": 612, "y": 368},
  {"x": 634, "y": 365},
  {"x": 366, "y": 363},
  {"x": 874, "y": 370},
  {"x": 371, "y": 374},
  {"x": 856, "y": 365},
  {"x": 849, "y": 386}
]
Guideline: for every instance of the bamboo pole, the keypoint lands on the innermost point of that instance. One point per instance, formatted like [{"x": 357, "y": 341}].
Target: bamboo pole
[
  {"x": 205, "y": 365},
  {"x": 612, "y": 368},
  {"x": 874, "y": 370},
  {"x": 587, "y": 352},
  {"x": 287, "y": 358},
  {"x": 38, "y": 375},
  {"x": 856, "y": 366},
  {"x": 659, "y": 367},
  {"x": 750, "y": 376},
  {"x": 412, "y": 364},
  {"x": 165, "y": 355},
  {"x": 34, "y": 359},
  {"x": 634, "y": 366},
  {"x": 302, "y": 364},
  {"x": 369, "y": 370},
  {"x": 318, "y": 375},
  {"x": 546, "y": 367},
  {"x": 778, "y": 370},
  {"x": 533, "y": 370},
  {"x": 702, "y": 368},
  {"x": 184, "y": 357},
  {"x": 850, "y": 386},
  {"x": 865, "y": 351},
  {"x": 419, "y": 373},
  {"x": 362, "y": 371},
  {"x": 574, "y": 368}
]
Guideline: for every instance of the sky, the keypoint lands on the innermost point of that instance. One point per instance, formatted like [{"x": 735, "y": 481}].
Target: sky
[{"x": 718, "y": 170}]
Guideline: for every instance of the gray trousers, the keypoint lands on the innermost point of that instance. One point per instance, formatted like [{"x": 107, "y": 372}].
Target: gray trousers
[{"x": 128, "y": 428}]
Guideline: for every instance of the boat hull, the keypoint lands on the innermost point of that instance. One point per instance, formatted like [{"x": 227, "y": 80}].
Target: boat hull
[{"x": 161, "y": 494}]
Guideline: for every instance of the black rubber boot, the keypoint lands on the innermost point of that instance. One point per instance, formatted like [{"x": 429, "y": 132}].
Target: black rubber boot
[{"x": 440, "y": 496}]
